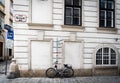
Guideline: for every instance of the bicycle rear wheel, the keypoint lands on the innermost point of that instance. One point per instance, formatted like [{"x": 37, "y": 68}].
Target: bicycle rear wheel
[
  {"x": 68, "y": 72},
  {"x": 51, "y": 72}
]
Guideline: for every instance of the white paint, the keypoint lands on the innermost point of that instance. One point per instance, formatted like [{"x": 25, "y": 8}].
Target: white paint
[
  {"x": 58, "y": 1},
  {"x": 90, "y": 3},
  {"x": 21, "y": 8},
  {"x": 21, "y": 49},
  {"x": 73, "y": 53},
  {"x": 42, "y": 11},
  {"x": 21, "y": 2},
  {"x": 21, "y": 55},
  {"x": 52, "y": 12},
  {"x": 40, "y": 55}
]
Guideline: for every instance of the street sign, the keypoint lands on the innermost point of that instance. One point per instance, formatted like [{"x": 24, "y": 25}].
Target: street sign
[
  {"x": 10, "y": 35},
  {"x": 9, "y": 43},
  {"x": 20, "y": 18}
]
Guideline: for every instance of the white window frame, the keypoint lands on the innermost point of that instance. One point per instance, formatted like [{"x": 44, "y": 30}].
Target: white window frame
[{"x": 105, "y": 46}]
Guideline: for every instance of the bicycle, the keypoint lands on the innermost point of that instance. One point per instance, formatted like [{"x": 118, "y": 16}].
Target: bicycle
[{"x": 67, "y": 71}]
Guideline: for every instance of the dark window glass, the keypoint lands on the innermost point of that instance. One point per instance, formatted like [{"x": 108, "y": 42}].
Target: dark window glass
[
  {"x": 73, "y": 12},
  {"x": 69, "y": 11},
  {"x": 107, "y": 13},
  {"x": 106, "y": 56},
  {"x": 102, "y": 23},
  {"x": 113, "y": 57},
  {"x": 69, "y": 2},
  {"x": 76, "y": 2}
]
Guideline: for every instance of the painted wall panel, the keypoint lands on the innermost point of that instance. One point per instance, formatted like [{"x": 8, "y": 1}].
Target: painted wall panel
[
  {"x": 21, "y": 8},
  {"x": 21, "y": 49},
  {"x": 21, "y": 2},
  {"x": 89, "y": 13},
  {"x": 21, "y": 55},
  {"x": 57, "y": 5},
  {"x": 90, "y": 3},
  {"x": 88, "y": 66},
  {"x": 20, "y": 43},
  {"x": 58, "y": 1},
  {"x": 45, "y": 16},
  {"x": 58, "y": 11},
  {"x": 88, "y": 8},
  {"x": 40, "y": 55},
  {"x": 25, "y": 32},
  {"x": 73, "y": 54}
]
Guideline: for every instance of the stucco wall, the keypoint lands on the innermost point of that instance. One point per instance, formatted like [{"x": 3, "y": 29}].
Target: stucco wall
[{"x": 54, "y": 27}]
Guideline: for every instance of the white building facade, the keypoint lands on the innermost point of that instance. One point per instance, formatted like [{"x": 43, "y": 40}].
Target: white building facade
[{"x": 83, "y": 33}]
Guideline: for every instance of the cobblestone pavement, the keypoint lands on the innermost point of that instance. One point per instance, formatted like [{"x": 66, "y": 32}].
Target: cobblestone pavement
[{"x": 94, "y": 79}]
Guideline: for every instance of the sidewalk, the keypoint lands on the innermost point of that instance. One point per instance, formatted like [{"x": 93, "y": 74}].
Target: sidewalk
[{"x": 94, "y": 79}]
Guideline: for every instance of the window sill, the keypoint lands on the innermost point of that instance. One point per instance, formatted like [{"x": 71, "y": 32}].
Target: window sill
[
  {"x": 106, "y": 67},
  {"x": 107, "y": 29},
  {"x": 72, "y": 28},
  {"x": 40, "y": 26}
]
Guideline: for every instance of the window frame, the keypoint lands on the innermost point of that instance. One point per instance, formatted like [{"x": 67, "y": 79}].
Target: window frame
[
  {"x": 80, "y": 13},
  {"x": 109, "y": 58},
  {"x": 107, "y": 10}
]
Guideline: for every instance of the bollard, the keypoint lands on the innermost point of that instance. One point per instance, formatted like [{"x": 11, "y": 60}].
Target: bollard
[{"x": 13, "y": 70}]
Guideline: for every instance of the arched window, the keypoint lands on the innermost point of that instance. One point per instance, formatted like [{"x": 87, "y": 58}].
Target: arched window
[{"x": 106, "y": 56}]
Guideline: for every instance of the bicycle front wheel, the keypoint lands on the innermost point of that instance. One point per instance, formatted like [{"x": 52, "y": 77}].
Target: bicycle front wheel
[
  {"x": 51, "y": 72},
  {"x": 68, "y": 72}
]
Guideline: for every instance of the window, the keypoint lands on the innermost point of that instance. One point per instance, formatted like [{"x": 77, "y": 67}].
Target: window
[
  {"x": 11, "y": 7},
  {"x": 106, "y": 56},
  {"x": 2, "y": 2},
  {"x": 107, "y": 13},
  {"x": 73, "y": 12}
]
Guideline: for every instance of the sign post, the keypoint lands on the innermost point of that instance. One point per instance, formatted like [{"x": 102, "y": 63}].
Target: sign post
[{"x": 9, "y": 41}]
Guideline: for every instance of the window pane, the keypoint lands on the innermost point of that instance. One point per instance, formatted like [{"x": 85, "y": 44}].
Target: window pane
[
  {"x": 76, "y": 21},
  {"x": 76, "y": 12},
  {"x": 105, "y": 51},
  {"x": 102, "y": 23},
  {"x": 105, "y": 55},
  {"x": 99, "y": 57},
  {"x": 69, "y": 2},
  {"x": 105, "y": 61},
  {"x": 76, "y": 2},
  {"x": 109, "y": 23},
  {"x": 68, "y": 20},
  {"x": 98, "y": 62},
  {"x": 102, "y": 3},
  {"x": 109, "y": 15},
  {"x": 113, "y": 56},
  {"x": 2, "y": 1},
  {"x": 110, "y": 5},
  {"x": 102, "y": 15},
  {"x": 113, "y": 61},
  {"x": 68, "y": 11}
]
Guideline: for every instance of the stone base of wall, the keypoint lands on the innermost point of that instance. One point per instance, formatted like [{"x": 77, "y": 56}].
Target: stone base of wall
[
  {"x": 111, "y": 71},
  {"x": 32, "y": 73},
  {"x": 41, "y": 73},
  {"x": 82, "y": 72}
]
